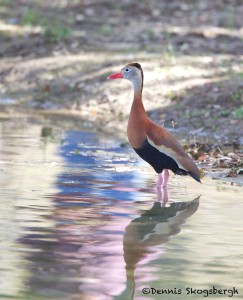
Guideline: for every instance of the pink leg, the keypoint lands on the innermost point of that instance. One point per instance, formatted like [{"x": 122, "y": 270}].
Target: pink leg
[
  {"x": 165, "y": 176},
  {"x": 159, "y": 181},
  {"x": 162, "y": 195},
  {"x": 163, "y": 179},
  {"x": 159, "y": 193}
]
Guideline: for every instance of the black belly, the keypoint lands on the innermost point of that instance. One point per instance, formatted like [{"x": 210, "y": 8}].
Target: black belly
[{"x": 158, "y": 160}]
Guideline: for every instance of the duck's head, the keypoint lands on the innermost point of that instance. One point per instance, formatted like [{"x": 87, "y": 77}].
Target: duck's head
[{"x": 132, "y": 72}]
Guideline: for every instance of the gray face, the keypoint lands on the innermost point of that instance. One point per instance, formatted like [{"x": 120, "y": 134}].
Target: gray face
[{"x": 131, "y": 73}]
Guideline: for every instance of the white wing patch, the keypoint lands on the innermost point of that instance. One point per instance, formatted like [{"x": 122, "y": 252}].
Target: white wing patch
[
  {"x": 165, "y": 228},
  {"x": 167, "y": 151}
]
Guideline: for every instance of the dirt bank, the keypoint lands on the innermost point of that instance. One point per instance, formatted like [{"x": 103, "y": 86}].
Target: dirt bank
[{"x": 56, "y": 57}]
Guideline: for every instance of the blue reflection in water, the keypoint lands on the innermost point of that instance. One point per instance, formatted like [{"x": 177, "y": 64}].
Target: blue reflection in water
[
  {"x": 89, "y": 224},
  {"x": 86, "y": 167},
  {"x": 71, "y": 143}
]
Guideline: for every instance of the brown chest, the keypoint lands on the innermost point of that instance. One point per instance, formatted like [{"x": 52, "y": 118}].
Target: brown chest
[{"x": 136, "y": 131}]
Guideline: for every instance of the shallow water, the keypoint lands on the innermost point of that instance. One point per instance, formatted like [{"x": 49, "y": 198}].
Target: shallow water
[{"x": 79, "y": 220}]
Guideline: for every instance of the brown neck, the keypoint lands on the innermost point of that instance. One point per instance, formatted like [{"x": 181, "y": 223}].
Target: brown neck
[
  {"x": 136, "y": 127},
  {"x": 137, "y": 104}
]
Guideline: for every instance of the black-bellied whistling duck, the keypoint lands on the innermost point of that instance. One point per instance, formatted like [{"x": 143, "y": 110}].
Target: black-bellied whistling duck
[{"x": 151, "y": 142}]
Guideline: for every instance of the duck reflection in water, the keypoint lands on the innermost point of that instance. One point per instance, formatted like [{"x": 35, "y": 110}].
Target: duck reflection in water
[
  {"x": 152, "y": 228},
  {"x": 87, "y": 260}
]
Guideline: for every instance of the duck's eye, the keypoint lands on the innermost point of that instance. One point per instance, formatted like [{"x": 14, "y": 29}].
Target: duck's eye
[{"x": 127, "y": 70}]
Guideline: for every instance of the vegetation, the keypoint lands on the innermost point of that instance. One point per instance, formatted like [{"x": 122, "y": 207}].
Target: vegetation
[{"x": 52, "y": 27}]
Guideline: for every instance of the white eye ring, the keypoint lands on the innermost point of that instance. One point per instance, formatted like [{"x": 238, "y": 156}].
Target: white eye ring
[{"x": 127, "y": 70}]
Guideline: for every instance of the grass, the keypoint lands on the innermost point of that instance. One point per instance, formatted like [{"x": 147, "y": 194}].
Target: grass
[
  {"x": 56, "y": 33},
  {"x": 53, "y": 29},
  {"x": 5, "y": 2},
  {"x": 150, "y": 34},
  {"x": 224, "y": 113},
  {"x": 237, "y": 95},
  {"x": 172, "y": 96},
  {"x": 106, "y": 29},
  {"x": 230, "y": 21},
  {"x": 238, "y": 112},
  {"x": 31, "y": 17}
]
